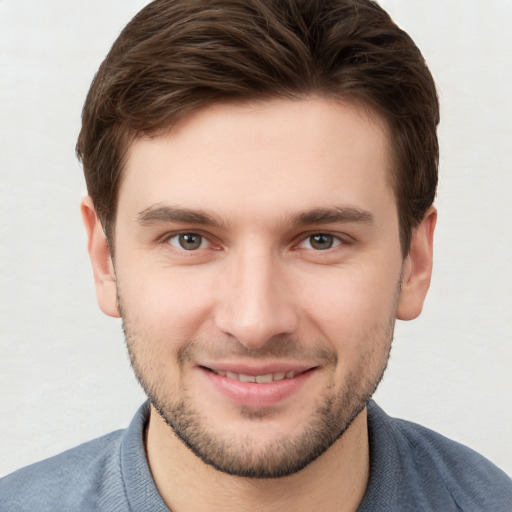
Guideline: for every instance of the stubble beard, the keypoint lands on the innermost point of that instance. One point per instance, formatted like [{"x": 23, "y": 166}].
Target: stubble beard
[{"x": 244, "y": 457}]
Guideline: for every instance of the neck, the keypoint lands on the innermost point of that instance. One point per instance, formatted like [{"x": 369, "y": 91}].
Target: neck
[{"x": 335, "y": 481}]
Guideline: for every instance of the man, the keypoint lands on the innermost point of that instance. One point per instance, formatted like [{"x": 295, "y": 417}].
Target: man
[{"x": 261, "y": 177}]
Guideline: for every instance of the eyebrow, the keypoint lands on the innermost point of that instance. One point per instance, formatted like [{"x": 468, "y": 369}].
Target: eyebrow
[
  {"x": 160, "y": 214},
  {"x": 335, "y": 214}
]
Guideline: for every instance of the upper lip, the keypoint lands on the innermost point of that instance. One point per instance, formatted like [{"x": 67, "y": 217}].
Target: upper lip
[{"x": 255, "y": 370}]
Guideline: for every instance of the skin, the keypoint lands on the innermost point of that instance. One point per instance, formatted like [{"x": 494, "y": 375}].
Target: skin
[{"x": 252, "y": 185}]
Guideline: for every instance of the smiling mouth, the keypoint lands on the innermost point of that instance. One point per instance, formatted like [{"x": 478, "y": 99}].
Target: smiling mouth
[
  {"x": 260, "y": 379},
  {"x": 248, "y": 386}
]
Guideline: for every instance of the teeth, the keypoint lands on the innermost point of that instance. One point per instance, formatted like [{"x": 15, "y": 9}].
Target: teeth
[
  {"x": 264, "y": 378},
  {"x": 269, "y": 377},
  {"x": 246, "y": 378}
]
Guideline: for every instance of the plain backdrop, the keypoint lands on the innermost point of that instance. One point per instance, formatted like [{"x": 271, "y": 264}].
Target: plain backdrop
[{"x": 64, "y": 374}]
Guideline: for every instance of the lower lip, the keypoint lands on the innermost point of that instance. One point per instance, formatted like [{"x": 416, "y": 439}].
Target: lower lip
[{"x": 257, "y": 395}]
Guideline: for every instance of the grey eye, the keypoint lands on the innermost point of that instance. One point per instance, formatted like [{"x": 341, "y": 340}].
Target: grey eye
[
  {"x": 187, "y": 241},
  {"x": 190, "y": 241},
  {"x": 321, "y": 241}
]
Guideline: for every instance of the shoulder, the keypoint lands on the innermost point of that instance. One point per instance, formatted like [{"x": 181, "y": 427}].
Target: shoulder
[
  {"x": 108, "y": 474},
  {"x": 73, "y": 479},
  {"x": 437, "y": 469}
]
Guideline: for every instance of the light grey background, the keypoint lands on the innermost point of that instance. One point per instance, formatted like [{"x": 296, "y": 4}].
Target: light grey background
[{"x": 64, "y": 374}]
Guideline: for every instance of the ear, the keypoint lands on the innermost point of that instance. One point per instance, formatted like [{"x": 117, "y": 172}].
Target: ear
[
  {"x": 101, "y": 259},
  {"x": 417, "y": 268}
]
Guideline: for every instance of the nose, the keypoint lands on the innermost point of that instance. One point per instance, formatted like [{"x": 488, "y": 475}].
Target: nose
[{"x": 255, "y": 303}]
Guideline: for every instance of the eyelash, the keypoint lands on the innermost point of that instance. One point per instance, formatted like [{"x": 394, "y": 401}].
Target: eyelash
[
  {"x": 176, "y": 236},
  {"x": 336, "y": 240}
]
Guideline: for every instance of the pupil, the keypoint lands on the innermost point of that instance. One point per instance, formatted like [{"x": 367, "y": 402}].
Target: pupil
[
  {"x": 190, "y": 241},
  {"x": 321, "y": 242}
]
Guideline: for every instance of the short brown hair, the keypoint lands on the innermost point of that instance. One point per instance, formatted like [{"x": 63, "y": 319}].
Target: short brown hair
[{"x": 176, "y": 56}]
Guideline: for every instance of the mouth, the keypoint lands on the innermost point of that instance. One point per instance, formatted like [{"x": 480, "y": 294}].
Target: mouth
[
  {"x": 260, "y": 379},
  {"x": 257, "y": 387}
]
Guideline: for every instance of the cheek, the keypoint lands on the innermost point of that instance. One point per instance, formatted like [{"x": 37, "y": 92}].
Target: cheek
[
  {"x": 166, "y": 306},
  {"x": 350, "y": 308}
]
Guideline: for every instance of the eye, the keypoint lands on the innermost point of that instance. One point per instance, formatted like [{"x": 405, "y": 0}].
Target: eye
[
  {"x": 320, "y": 242},
  {"x": 188, "y": 241}
]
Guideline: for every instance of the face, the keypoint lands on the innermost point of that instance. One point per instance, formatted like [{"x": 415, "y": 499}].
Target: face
[{"x": 258, "y": 272}]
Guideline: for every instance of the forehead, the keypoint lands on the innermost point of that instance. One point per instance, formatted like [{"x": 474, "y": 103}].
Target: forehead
[{"x": 263, "y": 158}]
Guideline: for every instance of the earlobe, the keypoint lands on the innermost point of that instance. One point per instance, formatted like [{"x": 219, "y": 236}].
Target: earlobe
[
  {"x": 101, "y": 260},
  {"x": 417, "y": 269}
]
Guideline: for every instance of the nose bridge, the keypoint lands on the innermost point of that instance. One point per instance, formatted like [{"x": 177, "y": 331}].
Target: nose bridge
[{"x": 255, "y": 304}]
